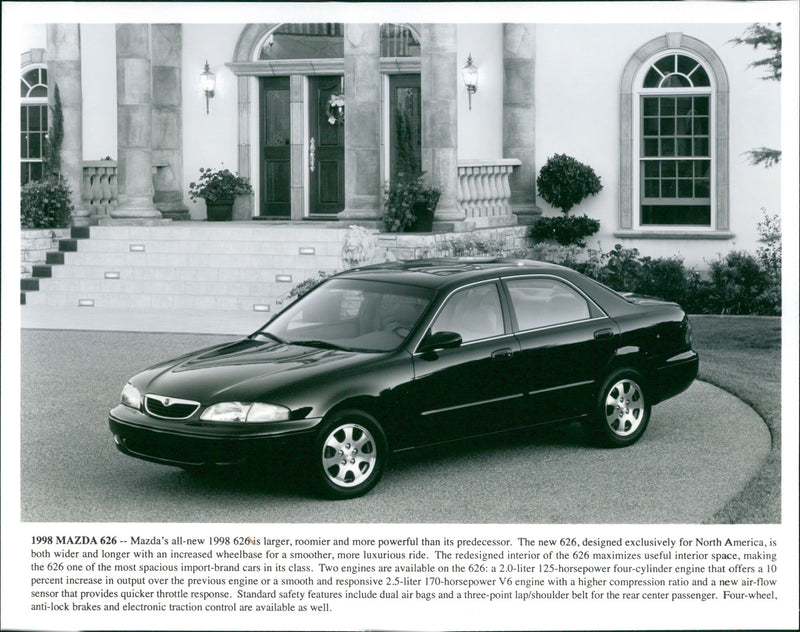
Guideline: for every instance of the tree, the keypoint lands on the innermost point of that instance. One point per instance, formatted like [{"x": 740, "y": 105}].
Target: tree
[
  {"x": 769, "y": 37},
  {"x": 55, "y": 138}
]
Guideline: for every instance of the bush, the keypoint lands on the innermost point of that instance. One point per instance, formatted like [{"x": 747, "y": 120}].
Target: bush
[
  {"x": 564, "y": 182},
  {"x": 46, "y": 204},
  {"x": 403, "y": 199},
  {"x": 566, "y": 230},
  {"x": 665, "y": 277},
  {"x": 740, "y": 285},
  {"x": 218, "y": 185}
]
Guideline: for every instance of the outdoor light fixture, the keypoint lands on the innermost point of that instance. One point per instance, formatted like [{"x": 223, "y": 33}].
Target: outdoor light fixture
[
  {"x": 470, "y": 74},
  {"x": 208, "y": 81}
]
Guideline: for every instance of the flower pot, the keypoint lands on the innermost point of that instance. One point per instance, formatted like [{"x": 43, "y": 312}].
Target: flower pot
[
  {"x": 424, "y": 219},
  {"x": 220, "y": 210}
]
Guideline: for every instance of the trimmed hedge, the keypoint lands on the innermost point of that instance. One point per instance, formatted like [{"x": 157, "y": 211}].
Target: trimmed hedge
[{"x": 46, "y": 204}]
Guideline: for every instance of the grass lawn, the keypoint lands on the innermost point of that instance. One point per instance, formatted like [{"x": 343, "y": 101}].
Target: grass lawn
[{"x": 742, "y": 355}]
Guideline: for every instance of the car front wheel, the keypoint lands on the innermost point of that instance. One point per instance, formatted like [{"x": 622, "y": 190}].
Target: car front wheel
[
  {"x": 622, "y": 410},
  {"x": 349, "y": 455}
]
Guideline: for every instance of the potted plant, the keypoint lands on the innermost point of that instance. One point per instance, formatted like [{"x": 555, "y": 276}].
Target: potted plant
[
  {"x": 409, "y": 204},
  {"x": 219, "y": 188}
]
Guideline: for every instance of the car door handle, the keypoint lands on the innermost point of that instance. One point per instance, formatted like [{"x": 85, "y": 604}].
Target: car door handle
[
  {"x": 502, "y": 354},
  {"x": 604, "y": 334}
]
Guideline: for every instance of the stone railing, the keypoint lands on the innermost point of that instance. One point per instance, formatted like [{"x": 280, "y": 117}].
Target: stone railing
[
  {"x": 483, "y": 189},
  {"x": 99, "y": 192}
]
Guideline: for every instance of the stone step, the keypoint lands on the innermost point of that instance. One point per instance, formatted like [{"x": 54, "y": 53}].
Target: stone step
[
  {"x": 29, "y": 284},
  {"x": 54, "y": 258}
]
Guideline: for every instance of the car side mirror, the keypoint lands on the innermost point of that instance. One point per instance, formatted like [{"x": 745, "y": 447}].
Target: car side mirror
[{"x": 440, "y": 340}]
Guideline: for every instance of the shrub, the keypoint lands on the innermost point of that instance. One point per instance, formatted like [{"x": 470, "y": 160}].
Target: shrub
[
  {"x": 403, "y": 199},
  {"x": 566, "y": 230},
  {"x": 221, "y": 184},
  {"x": 665, "y": 277},
  {"x": 739, "y": 285},
  {"x": 564, "y": 182},
  {"x": 46, "y": 204}
]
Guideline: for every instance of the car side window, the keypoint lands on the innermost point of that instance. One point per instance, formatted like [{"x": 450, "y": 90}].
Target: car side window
[
  {"x": 474, "y": 313},
  {"x": 545, "y": 302}
]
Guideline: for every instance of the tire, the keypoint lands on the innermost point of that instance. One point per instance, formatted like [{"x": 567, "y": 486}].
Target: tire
[
  {"x": 349, "y": 455},
  {"x": 622, "y": 410}
]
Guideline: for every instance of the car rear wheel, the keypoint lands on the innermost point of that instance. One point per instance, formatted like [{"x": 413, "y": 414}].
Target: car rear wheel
[
  {"x": 622, "y": 410},
  {"x": 349, "y": 455}
]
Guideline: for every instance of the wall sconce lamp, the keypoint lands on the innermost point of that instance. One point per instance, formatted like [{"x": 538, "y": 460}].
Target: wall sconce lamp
[
  {"x": 470, "y": 74},
  {"x": 208, "y": 81}
]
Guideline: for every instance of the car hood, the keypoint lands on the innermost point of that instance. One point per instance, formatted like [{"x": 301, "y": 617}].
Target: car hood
[{"x": 244, "y": 370}]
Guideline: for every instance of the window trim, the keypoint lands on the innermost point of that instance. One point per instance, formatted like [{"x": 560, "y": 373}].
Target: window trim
[{"x": 630, "y": 95}]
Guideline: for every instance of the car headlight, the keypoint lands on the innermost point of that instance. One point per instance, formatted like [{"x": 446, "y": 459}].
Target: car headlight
[
  {"x": 131, "y": 396},
  {"x": 245, "y": 412}
]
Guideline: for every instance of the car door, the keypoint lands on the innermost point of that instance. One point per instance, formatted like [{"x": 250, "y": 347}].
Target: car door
[
  {"x": 566, "y": 342},
  {"x": 466, "y": 390}
]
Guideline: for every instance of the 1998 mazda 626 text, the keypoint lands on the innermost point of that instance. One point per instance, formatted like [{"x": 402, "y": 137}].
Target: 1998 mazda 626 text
[{"x": 395, "y": 356}]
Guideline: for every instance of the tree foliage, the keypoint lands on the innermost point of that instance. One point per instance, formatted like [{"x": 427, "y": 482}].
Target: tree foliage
[
  {"x": 564, "y": 182},
  {"x": 769, "y": 37}
]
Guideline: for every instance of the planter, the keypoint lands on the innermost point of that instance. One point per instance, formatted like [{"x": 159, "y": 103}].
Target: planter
[
  {"x": 424, "y": 219},
  {"x": 220, "y": 210}
]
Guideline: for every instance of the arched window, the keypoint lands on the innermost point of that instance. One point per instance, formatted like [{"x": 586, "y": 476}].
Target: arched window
[
  {"x": 674, "y": 140},
  {"x": 675, "y": 143},
  {"x": 33, "y": 121}
]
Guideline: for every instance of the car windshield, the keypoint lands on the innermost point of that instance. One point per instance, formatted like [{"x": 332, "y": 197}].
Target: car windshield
[{"x": 352, "y": 314}]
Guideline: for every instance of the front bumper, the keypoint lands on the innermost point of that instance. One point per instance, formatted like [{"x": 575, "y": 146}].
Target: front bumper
[{"x": 197, "y": 445}]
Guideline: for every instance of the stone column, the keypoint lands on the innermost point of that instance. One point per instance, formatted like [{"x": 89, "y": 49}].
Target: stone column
[
  {"x": 134, "y": 124},
  {"x": 362, "y": 130},
  {"x": 519, "y": 51},
  {"x": 64, "y": 74},
  {"x": 440, "y": 78},
  {"x": 167, "y": 132}
]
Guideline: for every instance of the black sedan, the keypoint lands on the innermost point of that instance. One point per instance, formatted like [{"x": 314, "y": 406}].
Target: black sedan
[{"x": 396, "y": 356}]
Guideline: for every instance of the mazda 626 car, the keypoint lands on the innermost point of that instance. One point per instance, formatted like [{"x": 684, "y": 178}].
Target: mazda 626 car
[{"x": 395, "y": 356}]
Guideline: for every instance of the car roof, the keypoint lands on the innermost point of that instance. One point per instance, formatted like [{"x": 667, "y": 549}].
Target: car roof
[{"x": 447, "y": 272}]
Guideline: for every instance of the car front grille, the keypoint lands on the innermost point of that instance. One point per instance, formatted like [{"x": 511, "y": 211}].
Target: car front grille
[{"x": 169, "y": 407}]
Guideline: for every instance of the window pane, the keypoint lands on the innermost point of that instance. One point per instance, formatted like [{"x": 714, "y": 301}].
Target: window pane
[
  {"x": 676, "y": 81},
  {"x": 35, "y": 170},
  {"x": 397, "y": 40},
  {"x": 686, "y": 64},
  {"x": 652, "y": 78},
  {"x": 473, "y": 313},
  {"x": 668, "y": 188},
  {"x": 668, "y": 168},
  {"x": 667, "y": 147},
  {"x": 700, "y": 78},
  {"x": 34, "y": 118},
  {"x": 23, "y": 88},
  {"x": 651, "y": 148},
  {"x": 701, "y": 147},
  {"x": 651, "y": 169},
  {"x": 650, "y": 106},
  {"x": 666, "y": 64},
  {"x": 684, "y": 125},
  {"x": 545, "y": 302},
  {"x": 684, "y": 146},
  {"x": 650, "y": 126},
  {"x": 701, "y": 125},
  {"x": 667, "y": 126},
  {"x": 23, "y": 145},
  {"x": 685, "y": 169},
  {"x": 23, "y": 123},
  {"x": 680, "y": 215},
  {"x": 685, "y": 188},
  {"x": 35, "y": 146},
  {"x": 667, "y": 106},
  {"x": 702, "y": 168},
  {"x": 38, "y": 91},
  {"x": 684, "y": 105},
  {"x": 304, "y": 41},
  {"x": 651, "y": 189},
  {"x": 702, "y": 189},
  {"x": 701, "y": 105},
  {"x": 43, "y": 76}
]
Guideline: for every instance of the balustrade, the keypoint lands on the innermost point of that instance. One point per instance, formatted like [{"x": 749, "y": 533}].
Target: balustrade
[
  {"x": 99, "y": 192},
  {"x": 483, "y": 188}
]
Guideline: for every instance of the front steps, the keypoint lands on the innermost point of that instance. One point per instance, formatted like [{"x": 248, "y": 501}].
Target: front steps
[
  {"x": 186, "y": 265},
  {"x": 42, "y": 271}
]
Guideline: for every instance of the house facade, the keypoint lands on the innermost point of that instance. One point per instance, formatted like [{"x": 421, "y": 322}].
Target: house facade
[{"x": 320, "y": 115}]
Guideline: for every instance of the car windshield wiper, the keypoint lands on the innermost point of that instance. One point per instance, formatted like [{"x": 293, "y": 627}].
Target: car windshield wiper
[
  {"x": 266, "y": 334},
  {"x": 322, "y": 344}
]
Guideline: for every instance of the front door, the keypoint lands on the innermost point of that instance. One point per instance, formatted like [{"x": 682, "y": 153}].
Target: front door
[
  {"x": 326, "y": 147},
  {"x": 276, "y": 171}
]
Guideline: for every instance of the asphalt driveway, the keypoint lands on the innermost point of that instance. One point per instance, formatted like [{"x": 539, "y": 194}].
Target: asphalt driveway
[{"x": 701, "y": 449}]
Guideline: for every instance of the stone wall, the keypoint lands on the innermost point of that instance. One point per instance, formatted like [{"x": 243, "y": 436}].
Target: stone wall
[
  {"x": 397, "y": 246},
  {"x": 34, "y": 246}
]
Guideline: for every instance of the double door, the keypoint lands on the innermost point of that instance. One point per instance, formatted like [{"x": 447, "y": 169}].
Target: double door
[{"x": 325, "y": 151}]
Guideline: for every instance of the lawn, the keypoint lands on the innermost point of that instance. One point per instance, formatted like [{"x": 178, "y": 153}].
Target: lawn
[{"x": 742, "y": 355}]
